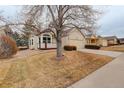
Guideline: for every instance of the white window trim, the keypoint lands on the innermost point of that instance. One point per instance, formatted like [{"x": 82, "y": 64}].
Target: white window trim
[{"x": 48, "y": 36}]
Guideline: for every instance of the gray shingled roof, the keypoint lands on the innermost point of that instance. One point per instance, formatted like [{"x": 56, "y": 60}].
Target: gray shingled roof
[{"x": 121, "y": 39}]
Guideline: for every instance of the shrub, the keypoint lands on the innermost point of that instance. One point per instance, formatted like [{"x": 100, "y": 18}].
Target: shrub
[
  {"x": 92, "y": 46},
  {"x": 70, "y": 48},
  {"x": 22, "y": 48},
  {"x": 7, "y": 47}
]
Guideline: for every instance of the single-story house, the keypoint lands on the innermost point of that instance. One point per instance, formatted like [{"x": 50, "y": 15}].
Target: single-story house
[
  {"x": 46, "y": 40},
  {"x": 91, "y": 39},
  {"x": 111, "y": 40},
  {"x": 102, "y": 41},
  {"x": 121, "y": 40},
  {"x": 96, "y": 40}
]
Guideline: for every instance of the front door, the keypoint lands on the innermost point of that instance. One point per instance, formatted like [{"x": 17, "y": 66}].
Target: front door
[{"x": 46, "y": 40}]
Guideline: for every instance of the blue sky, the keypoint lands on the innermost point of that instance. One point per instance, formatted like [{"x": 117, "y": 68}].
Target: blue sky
[
  {"x": 111, "y": 22},
  {"x": 9, "y": 11}
]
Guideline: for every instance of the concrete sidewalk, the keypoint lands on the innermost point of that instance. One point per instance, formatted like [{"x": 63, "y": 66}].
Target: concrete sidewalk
[
  {"x": 102, "y": 52},
  {"x": 108, "y": 76}
]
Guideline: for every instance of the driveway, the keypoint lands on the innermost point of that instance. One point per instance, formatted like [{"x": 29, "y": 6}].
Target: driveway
[
  {"x": 102, "y": 52},
  {"x": 108, "y": 76}
]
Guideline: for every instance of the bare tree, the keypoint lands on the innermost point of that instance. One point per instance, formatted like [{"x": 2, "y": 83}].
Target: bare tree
[{"x": 62, "y": 18}]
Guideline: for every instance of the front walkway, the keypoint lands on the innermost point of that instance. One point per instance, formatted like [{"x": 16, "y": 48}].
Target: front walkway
[
  {"x": 110, "y": 75},
  {"x": 25, "y": 53}
]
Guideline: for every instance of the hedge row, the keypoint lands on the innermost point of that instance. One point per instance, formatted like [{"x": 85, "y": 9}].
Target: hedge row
[
  {"x": 70, "y": 48},
  {"x": 22, "y": 48},
  {"x": 92, "y": 46}
]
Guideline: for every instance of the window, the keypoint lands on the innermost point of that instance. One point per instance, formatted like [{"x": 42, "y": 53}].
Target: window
[
  {"x": 49, "y": 40},
  {"x": 32, "y": 42},
  {"x": 46, "y": 38},
  {"x": 39, "y": 40}
]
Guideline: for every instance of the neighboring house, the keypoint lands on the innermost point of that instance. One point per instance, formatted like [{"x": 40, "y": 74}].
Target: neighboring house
[
  {"x": 47, "y": 41},
  {"x": 111, "y": 40},
  {"x": 96, "y": 40},
  {"x": 101, "y": 41},
  {"x": 92, "y": 39},
  {"x": 121, "y": 40}
]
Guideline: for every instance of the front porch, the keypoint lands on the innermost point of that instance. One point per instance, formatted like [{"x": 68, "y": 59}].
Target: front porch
[
  {"x": 44, "y": 41},
  {"x": 92, "y": 41},
  {"x": 47, "y": 46}
]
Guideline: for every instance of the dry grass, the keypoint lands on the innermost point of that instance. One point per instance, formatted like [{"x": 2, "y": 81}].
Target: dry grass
[
  {"x": 118, "y": 48},
  {"x": 43, "y": 71}
]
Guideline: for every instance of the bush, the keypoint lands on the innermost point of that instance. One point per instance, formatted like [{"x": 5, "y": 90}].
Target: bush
[
  {"x": 7, "y": 47},
  {"x": 70, "y": 48},
  {"x": 92, "y": 46},
  {"x": 22, "y": 48}
]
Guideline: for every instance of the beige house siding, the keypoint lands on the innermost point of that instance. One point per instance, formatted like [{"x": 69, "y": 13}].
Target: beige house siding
[
  {"x": 65, "y": 41},
  {"x": 33, "y": 42},
  {"x": 102, "y": 42},
  {"x": 75, "y": 38}
]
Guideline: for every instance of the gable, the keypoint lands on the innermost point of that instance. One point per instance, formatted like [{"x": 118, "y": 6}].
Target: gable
[{"x": 76, "y": 35}]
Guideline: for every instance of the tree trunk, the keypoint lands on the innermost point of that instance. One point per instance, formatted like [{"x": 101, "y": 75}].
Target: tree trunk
[{"x": 59, "y": 45}]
